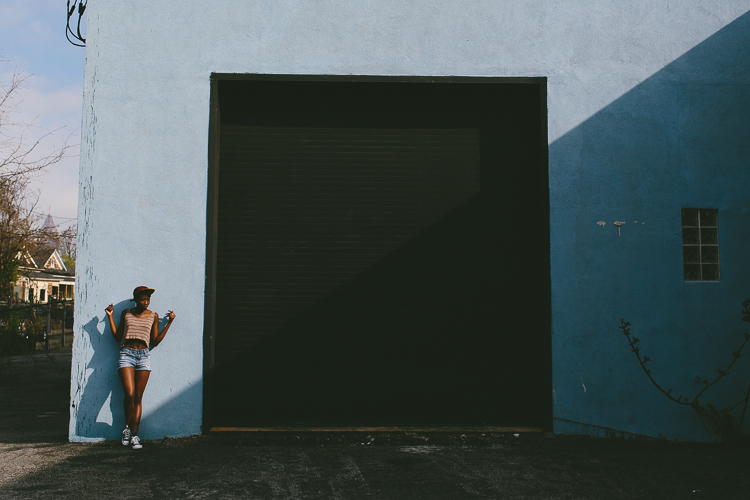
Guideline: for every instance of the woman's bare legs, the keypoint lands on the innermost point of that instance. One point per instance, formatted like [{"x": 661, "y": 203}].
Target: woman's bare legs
[
  {"x": 127, "y": 379},
  {"x": 133, "y": 385},
  {"x": 141, "y": 379}
]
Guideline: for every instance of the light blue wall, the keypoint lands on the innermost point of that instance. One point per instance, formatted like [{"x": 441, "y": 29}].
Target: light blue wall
[
  {"x": 679, "y": 139},
  {"x": 647, "y": 107}
]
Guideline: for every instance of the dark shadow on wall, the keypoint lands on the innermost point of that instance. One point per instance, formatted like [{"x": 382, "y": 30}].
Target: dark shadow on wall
[
  {"x": 669, "y": 137},
  {"x": 680, "y": 139},
  {"x": 97, "y": 381},
  {"x": 99, "y": 389},
  {"x": 173, "y": 414},
  {"x": 163, "y": 321}
]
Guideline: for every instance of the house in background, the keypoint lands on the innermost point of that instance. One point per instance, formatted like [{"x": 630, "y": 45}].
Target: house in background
[
  {"x": 425, "y": 213},
  {"x": 43, "y": 272},
  {"x": 44, "y": 276}
]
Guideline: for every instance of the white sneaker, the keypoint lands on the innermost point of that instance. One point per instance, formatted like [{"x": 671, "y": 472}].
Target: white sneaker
[
  {"x": 136, "y": 443},
  {"x": 126, "y": 437}
]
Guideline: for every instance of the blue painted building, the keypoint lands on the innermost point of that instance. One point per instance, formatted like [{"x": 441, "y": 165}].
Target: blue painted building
[{"x": 433, "y": 213}]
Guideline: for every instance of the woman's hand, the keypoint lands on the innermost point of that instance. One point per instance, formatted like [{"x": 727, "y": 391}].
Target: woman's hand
[
  {"x": 170, "y": 315},
  {"x": 110, "y": 311}
]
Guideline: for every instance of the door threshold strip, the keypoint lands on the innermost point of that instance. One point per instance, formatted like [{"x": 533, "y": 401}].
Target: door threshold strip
[{"x": 419, "y": 428}]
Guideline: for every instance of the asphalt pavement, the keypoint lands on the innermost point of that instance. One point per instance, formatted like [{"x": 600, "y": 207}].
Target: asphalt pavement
[{"x": 36, "y": 461}]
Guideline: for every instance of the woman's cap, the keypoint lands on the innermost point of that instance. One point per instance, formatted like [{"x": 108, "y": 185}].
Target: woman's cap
[{"x": 143, "y": 289}]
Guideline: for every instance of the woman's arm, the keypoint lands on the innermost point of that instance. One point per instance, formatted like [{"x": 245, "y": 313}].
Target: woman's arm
[
  {"x": 116, "y": 331},
  {"x": 157, "y": 337}
]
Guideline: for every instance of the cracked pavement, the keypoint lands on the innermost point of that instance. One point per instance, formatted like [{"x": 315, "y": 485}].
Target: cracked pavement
[{"x": 36, "y": 461}]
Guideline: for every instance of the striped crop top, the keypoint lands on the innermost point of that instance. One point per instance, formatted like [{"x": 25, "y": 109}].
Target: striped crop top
[{"x": 138, "y": 328}]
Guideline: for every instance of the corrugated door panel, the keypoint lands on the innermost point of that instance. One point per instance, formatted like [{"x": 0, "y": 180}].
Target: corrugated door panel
[
  {"x": 334, "y": 246},
  {"x": 363, "y": 277},
  {"x": 302, "y": 211}
]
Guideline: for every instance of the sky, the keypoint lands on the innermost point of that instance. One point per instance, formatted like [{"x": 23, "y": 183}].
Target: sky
[{"x": 32, "y": 40}]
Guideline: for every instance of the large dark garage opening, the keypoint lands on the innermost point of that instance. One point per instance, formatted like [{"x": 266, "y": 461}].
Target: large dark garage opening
[{"x": 378, "y": 253}]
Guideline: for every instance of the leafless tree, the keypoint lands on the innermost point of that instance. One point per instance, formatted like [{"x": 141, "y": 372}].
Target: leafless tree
[
  {"x": 20, "y": 159},
  {"x": 19, "y": 155}
]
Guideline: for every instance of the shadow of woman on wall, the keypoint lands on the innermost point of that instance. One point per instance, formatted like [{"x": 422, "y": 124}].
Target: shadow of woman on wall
[{"x": 97, "y": 393}]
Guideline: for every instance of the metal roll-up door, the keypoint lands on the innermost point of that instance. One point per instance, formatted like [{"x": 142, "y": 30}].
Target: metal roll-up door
[
  {"x": 377, "y": 253},
  {"x": 316, "y": 277}
]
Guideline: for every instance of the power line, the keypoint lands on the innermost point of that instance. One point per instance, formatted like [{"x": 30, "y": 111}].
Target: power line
[
  {"x": 55, "y": 216},
  {"x": 61, "y": 224}
]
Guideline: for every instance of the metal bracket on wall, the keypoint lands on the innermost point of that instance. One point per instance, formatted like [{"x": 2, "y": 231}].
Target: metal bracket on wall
[{"x": 69, "y": 32}]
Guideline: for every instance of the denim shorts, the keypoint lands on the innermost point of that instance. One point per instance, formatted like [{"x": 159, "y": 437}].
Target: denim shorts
[{"x": 140, "y": 359}]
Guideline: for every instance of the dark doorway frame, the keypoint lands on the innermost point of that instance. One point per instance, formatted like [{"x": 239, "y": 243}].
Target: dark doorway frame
[{"x": 212, "y": 200}]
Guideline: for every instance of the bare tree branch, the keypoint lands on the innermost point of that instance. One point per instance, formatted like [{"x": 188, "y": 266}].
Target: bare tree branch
[
  {"x": 18, "y": 154},
  {"x": 68, "y": 242},
  {"x": 20, "y": 160},
  {"x": 722, "y": 417}
]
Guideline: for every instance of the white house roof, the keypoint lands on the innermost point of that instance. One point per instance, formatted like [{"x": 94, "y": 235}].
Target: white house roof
[{"x": 49, "y": 259}]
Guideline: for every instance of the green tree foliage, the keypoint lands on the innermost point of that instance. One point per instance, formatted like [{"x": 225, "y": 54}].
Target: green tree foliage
[
  {"x": 17, "y": 230},
  {"x": 69, "y": 262}
]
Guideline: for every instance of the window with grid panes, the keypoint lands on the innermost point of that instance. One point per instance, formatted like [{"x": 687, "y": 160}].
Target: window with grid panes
[{"x": 700, "y": 244}]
